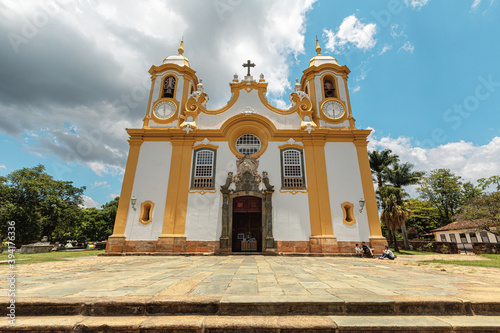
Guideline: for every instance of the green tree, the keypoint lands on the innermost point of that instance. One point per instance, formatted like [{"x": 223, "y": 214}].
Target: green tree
[
  {"x": 444, "y": 191},
  {"x": 400, "y": 175},
  {"x": 97, "y": 224},
  {"x": 379, "y": 161},
  {"x": 424, "y": 218},
  {"x": 484, "y": 183},
  {"x": 395, "y": 211},
  {"x": 37, "y": 203},
  {"x": 484, "y": 210}
]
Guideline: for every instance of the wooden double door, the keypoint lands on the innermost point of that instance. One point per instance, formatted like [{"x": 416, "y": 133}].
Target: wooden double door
[{"x": 247, "y": 221}]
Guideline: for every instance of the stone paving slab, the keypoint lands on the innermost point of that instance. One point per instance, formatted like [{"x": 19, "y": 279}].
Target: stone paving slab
[
  {"x": 399, "y": 286},
  {"x": 274, "y": 324}
]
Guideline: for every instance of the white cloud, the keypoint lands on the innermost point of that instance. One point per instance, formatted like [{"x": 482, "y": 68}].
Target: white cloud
[
  {"x": 464, "y": 159},
  {"x": 3, "y": 167},
  {"x": 418, "y": 3},
  {"x": 356, "y": 88},
  {"x": 395, "y": 33},
  {"x": 387, "y": 47},
  {"x": 114, "y": 195},
  {"x": 98, "y": 84},
  {"x": 351, "y": 31},
  {"x": 88, "y": 202},
  {"x": 407, "y": 47},
  {"x": 475, "y": 4},
  {"x": 103, "y": 184}
]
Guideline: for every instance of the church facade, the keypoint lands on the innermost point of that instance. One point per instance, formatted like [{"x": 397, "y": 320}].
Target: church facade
[{"x": 247, "y": 177}]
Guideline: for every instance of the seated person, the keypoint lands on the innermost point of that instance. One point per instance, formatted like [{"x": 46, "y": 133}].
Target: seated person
[
  {"x": 358, "y": 250},
  {"x": 387, "y": 254},
  {"x": 367, "y": 251}
]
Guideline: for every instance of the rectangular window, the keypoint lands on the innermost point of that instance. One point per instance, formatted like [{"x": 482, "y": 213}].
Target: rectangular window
[
  {"x": 203, "y": 169},
  {"x": 443, "y": 238},
  {"x": 292, "y": 166},
  {"x": 473, "y": 237},
  {"x": 484, "y": 237},
  {"x": 453, "y": 238},
  {"x": 463, "y": 238}
]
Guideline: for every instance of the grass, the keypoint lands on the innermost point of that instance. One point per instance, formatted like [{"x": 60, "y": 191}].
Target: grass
[
  {"x": 45, "y": 257},
  {"x": 411, "y": 252},
  {"x": 494, "y": 261}
]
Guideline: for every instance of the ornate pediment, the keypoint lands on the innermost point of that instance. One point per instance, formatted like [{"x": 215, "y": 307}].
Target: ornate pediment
[{"x": 247, "y": 177}]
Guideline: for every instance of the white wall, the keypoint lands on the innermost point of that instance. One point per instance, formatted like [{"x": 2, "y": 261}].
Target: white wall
[
  {"x": 150, "y": 183},
  {"x": 491, "y": 237},
  {"x": 290, "y": 212},
  {"x": 344, "y": 185}
]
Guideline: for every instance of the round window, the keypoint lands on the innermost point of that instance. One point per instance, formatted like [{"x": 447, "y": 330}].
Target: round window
[{"x": 248, "y": 144}]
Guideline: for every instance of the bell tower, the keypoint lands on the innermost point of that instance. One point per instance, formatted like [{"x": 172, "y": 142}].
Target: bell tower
[
  {"x": 325, "y": 81},
  {"x": 171, "y": 84}
]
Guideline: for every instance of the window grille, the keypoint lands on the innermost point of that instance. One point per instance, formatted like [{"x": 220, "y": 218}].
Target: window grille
[
  {"x": 292, "y": 165},
  {"x": 248, "y": 144},
  {"x": 453, "y": 238},
  {"x": 484, "y": 237},
  {"x": 443, "y": 238},
  {"x": 203, "y": 173}
]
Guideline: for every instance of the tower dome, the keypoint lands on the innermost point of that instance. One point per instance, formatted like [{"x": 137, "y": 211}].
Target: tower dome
[
  {"x": 320, "y": 59},
  {"x": 179, "y": 59}
]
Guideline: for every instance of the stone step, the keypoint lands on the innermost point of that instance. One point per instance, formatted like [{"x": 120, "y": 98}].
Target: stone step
[
  {"x": 268, "y": 324},
  {"x": 249, "y": 306}
]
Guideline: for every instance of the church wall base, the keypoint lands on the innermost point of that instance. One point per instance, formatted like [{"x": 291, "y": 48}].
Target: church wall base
[
  {"x": 115, "y": 244},
  {"x": 179, "y": 245}
]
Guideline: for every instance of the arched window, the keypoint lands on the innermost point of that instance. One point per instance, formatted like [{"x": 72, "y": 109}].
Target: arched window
[
  {"x": 329, "y": 87},
  {"x": 203, "y": 168},
  {"x": 292, "y": 166},
  {"x": 169, "y": 87},
  {"x": 248, "y": 144}
]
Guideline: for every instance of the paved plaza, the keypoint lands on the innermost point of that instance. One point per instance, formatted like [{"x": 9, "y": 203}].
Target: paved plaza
[{"x": 334, "y": 278}]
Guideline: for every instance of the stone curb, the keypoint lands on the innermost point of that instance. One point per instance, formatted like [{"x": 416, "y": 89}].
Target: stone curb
[
  {"x": 272, "y": 324},
  {"x": 143, "y": 306}
]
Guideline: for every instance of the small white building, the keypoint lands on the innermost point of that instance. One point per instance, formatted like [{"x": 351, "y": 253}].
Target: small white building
[
  {"x": 464, "y": 233},
  {"x": 201, "y": 180}
]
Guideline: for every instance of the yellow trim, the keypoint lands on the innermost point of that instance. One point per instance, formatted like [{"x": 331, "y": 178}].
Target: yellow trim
[
  {"x": 288, "y": 145},
  {"x": 335, "y": 85},
  {"x": 294, "y": 191},
  {"x": 174, "y": 221},
  {"x": 127, "y": 186},
  {"x": 150, "y": 215},
  {"x": 254, "y": 124},
  {"x": 349, "y": 207},
  {"x": 169, "y": 119},
  {"x": 352, "y": 121},
  {"x": 164, "y": 77},
  {"x": 202, "y": 192},
  {"x": 202, "y": 145},
  {"x": 145, "y": 121},
  {"x": 319, "y": 197},
  {"x": 368, "y": 189}
]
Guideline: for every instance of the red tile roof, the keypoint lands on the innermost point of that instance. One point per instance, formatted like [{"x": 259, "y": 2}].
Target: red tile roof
[{"x": 461, "y": 225}]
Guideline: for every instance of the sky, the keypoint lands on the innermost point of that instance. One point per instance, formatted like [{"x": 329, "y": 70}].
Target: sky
[{"x": 425, "y": 74}]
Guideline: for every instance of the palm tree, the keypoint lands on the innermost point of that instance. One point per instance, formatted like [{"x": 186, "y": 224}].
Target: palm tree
[
  {"x": 400, "y": 175},
  {"x": 379, "y": 161},
  {"x": 395, "y": 210}
]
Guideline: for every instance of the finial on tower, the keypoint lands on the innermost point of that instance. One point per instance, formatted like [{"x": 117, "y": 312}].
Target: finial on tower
[
  {"x": 181, "y": 48},
  {"x": 318, "y": 48}
]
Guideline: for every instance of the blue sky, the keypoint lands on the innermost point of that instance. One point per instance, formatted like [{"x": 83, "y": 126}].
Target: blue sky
[{"x": 424, "y": 74}]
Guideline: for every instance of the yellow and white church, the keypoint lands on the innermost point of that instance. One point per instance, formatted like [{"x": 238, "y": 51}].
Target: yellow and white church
[{"x": 248, "y": 177}]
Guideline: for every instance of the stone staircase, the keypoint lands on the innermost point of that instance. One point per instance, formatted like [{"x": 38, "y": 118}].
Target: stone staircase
[{"x": 251, "y": 314}]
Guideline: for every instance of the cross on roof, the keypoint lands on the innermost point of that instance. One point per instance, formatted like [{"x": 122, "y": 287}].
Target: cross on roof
[{"x": 248, "y": 64}]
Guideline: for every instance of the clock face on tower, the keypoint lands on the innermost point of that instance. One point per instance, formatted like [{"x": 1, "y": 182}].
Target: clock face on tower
[
  {"x": 333, "y": 109},
  {"x": 164, "y": 110}
]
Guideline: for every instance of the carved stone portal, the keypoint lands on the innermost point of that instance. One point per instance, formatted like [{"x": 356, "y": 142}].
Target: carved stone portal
[{"x": 247, "y": 181}]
